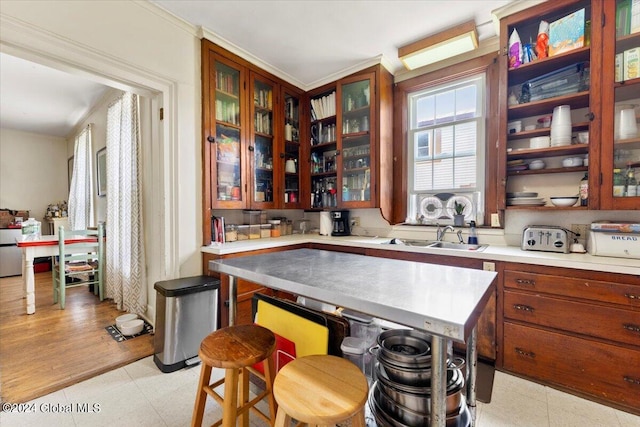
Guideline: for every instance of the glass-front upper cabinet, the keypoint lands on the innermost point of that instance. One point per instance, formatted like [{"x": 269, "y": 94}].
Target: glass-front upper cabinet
[
  {"x": 323, "y": 151},
  {"x": 621, "y": 87},
  {"x": 356, "y": 141},
  {"x": 291, "y": 154},
  {"x": 263, "y": 155},
  {"x": 226, "y": 153}
]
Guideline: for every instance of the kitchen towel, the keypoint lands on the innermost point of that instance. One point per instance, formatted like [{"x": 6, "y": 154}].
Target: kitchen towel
[{"x": 325, "y": 223}]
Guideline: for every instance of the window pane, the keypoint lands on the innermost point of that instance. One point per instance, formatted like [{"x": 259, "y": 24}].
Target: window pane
[
  {"x": 425, "y": 111},
  {"x": 445, "y": 104},
  {"x": 423, "y": 144},
  {"x": 443, "y": 142},
  {"x": 465, "y": 139},
  {"x": 465, "y": 172},
  {"x": 466, "y": 102},
  {"x": 442, "y": 174},
  {"x": 423, "y": 179}
]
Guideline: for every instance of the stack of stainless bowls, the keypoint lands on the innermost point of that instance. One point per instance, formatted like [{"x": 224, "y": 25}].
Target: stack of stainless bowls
[{"x": 401, "y": 394}]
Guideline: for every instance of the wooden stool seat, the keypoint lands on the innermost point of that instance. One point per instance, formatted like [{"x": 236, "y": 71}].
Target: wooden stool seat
[
  {"x": 320, "y": 390},
  {"x": 236, "y": 349}
]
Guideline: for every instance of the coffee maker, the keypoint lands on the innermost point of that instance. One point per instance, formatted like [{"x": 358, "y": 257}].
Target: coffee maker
[{"x": 340, "y": 223}]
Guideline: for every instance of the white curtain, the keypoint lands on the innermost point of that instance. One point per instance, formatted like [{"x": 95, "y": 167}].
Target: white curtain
[
  {"x": 126, "y": 278},
  {"x": 81, "y": 191}
]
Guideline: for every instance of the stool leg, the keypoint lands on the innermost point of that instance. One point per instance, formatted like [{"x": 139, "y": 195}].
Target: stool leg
[
  {"x": 230, "y": 406},
  {"x": 358, "y": 419},
  {"x": 269, "y": 377},
  {"x": 283, "y": 419},
  {"x": 243, "y": 395},
  {"x": 201, "y": 396}
]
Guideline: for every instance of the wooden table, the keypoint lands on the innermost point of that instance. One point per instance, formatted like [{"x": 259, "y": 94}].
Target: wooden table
[
  {"x": 443, "y": 301},
  {"x": 42, "y": 247}
]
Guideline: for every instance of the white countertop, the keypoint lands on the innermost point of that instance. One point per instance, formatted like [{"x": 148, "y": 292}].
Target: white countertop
[{"x": 492, "y": 252}]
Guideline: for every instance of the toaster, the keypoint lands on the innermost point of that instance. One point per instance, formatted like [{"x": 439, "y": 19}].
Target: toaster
[{"x": 547, "y": 238}]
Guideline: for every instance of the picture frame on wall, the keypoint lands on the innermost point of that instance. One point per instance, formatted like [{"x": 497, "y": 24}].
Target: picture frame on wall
[
  {"x": 101, "y": 168},
  {"x": 70, "y": 170}
]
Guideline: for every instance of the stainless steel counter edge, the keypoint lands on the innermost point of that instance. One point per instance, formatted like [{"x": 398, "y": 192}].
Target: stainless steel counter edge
[{"x": 493, "y": 252}]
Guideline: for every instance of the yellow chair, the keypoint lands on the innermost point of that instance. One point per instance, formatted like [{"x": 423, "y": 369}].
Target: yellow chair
[{"x": 80, "y": 263}]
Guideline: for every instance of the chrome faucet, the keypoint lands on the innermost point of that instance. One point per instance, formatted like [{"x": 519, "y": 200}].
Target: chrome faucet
[
  {"x": 460, "y": 239},
  {"x": 441, "y": 232}
]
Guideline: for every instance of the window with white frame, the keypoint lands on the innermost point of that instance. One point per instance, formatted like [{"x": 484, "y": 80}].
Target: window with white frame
[{"x": 446, "y": 145}]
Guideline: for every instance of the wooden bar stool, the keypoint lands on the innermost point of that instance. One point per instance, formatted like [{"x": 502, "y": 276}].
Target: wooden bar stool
[
  {"x": 320, "y": 390},
  {"x": 236, "y": 349}
]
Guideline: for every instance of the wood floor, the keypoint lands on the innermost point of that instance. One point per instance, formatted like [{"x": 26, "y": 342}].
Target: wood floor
[{"x": 53, "y": 349}]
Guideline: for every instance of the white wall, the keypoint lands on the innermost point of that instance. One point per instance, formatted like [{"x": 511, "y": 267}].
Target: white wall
[
  {"x": 33, "y": 171},
  {"x": 133, "y": 46}
]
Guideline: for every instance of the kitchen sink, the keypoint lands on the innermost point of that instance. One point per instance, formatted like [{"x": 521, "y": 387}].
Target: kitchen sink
[
  {"x": 436, "y": 244},
  {"x": 457, "y": 246}
]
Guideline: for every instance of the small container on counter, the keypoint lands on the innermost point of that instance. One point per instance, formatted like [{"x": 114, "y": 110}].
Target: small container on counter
[
  {"x": 289, "y": 226},
  {"x": 253, "y": 217},
  {"x": 355, "y": 349},
  {"x": 243, "y": 232},
  {"x": 230, "y": 233},
  {"x": 275, "y": 227},
  {"x": 254, "y": 231},
  {"x": 265, "y": 231}
]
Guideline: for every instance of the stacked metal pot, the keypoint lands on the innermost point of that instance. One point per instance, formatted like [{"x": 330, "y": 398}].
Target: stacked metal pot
[{"x": 401, "y": 394}]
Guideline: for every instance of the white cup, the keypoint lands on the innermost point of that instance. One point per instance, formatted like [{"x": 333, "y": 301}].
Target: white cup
[
  {"x": 290, "y": 166},
  {"x": 288, "y": 132},
  {"x": 561, "y": 116},
  {"x": 628, "y": 125}
]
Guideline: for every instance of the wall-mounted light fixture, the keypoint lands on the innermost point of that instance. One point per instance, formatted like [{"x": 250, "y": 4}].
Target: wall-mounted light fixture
[{"x": 446, "y": 44}]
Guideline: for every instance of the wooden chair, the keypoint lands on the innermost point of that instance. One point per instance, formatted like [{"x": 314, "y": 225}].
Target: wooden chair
[
  {"x": 80, "y": 263},
  {"x": 320, "y": 390}
]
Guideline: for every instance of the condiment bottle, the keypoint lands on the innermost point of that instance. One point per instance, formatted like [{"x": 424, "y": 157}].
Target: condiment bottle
[{"x": 619, "y": 183}]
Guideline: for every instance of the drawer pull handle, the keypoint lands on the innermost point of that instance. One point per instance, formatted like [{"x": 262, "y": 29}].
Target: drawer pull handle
[
  {"x": 632, "y": 380},
  {"x": 632, "y": 296},
  {"x": 530, "y": 354},
  {"x": 630, "y": 327},
  {"x": 523, "y": 307},
  {"x": 526, "y": 282}
]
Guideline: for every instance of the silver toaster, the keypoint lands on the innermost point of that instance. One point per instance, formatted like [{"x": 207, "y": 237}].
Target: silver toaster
[{"x": 548, "y": 238}]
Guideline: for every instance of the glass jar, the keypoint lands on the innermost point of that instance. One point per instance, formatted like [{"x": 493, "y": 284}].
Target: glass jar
[
  {"x": 619, "y": 183},
  {"x": 230, "y": 233}
]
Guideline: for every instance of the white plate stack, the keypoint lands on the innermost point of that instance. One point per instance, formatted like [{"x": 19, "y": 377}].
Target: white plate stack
[
  {"x": 525, "y": 199},
  {"x": 561, "y": 126}
]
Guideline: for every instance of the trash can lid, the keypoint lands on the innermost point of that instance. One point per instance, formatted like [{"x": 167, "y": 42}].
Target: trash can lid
[{"x": 186, "y": 285}]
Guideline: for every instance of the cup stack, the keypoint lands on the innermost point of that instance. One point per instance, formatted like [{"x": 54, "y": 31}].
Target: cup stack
[
  {"x": 627, "y": 126},
  {"x": 561, "y": 126}
]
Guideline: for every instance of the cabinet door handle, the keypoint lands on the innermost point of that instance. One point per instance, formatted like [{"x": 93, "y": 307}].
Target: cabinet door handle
[
  {"x": 526, "y": 282},
  {"x": 282, "y": 155},
  {"x": 251, "y": 148},
  {"x": 590, "y": 116},
  {"x": 226, "y": 303},
  {"x": 632, "y": 296},
  {"x": 632, "y": 380},
  {"x": 631, "y": 327},
  {"x": 523, "y": 307},
  {"x": 525, "y": 353},
  {"x": 211, "y": 139}
]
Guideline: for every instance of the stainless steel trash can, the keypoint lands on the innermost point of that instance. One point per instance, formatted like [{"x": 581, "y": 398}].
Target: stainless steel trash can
[{"x": 186, "y": 312}]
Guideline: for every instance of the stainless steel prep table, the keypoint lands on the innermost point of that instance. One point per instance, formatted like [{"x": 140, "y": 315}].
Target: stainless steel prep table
[{"x": 441, "y": 300}]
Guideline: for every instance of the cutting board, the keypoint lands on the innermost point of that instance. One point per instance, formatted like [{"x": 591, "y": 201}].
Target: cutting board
[{"x": 309, "y": 337}]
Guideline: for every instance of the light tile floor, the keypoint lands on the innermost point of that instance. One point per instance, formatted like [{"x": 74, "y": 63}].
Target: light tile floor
[{"x": 139, "y": 395}]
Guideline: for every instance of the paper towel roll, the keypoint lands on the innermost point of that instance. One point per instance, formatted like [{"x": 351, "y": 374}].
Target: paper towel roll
[{"x": 325, "y": 223}]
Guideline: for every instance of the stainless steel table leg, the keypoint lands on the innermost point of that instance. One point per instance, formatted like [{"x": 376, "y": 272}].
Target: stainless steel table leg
[
  {"x": 438, "y": 381},
  {"x": 233, "y": 300},
  {"x": 472, "y": 371}
]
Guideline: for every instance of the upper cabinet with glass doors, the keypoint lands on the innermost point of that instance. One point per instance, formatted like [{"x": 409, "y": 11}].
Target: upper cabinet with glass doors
[
  {"x": 263, "y": 148},
  {"x": 223, "y": 118},
  {"x": 351, "y": 142},
  {"x": 620, "y": 143},
  {"x": 291, "y": 153}
]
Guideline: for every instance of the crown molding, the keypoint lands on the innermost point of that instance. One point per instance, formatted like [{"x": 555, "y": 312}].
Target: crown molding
[{"x": 168, "y": 16}]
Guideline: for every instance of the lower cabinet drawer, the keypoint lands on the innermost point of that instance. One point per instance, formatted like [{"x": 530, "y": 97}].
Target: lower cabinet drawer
[
  {"x": 604, "y": 371},
  {"x": 608, "y": 323}
]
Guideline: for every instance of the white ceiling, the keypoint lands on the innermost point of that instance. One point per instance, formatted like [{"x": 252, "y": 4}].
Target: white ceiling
[
  {"x": 306, "y": 42},
  {"x": 35, "y": 98}
]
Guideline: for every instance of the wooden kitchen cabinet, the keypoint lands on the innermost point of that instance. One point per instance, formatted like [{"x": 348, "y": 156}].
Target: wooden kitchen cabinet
[
  {"x": 350, "y": 144},
  {"x": 584, "y": 99},
  {"x": 616, "y": 150},
  {"x": 572, "y": 329},
  {"x": 244, "y": 128}
]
